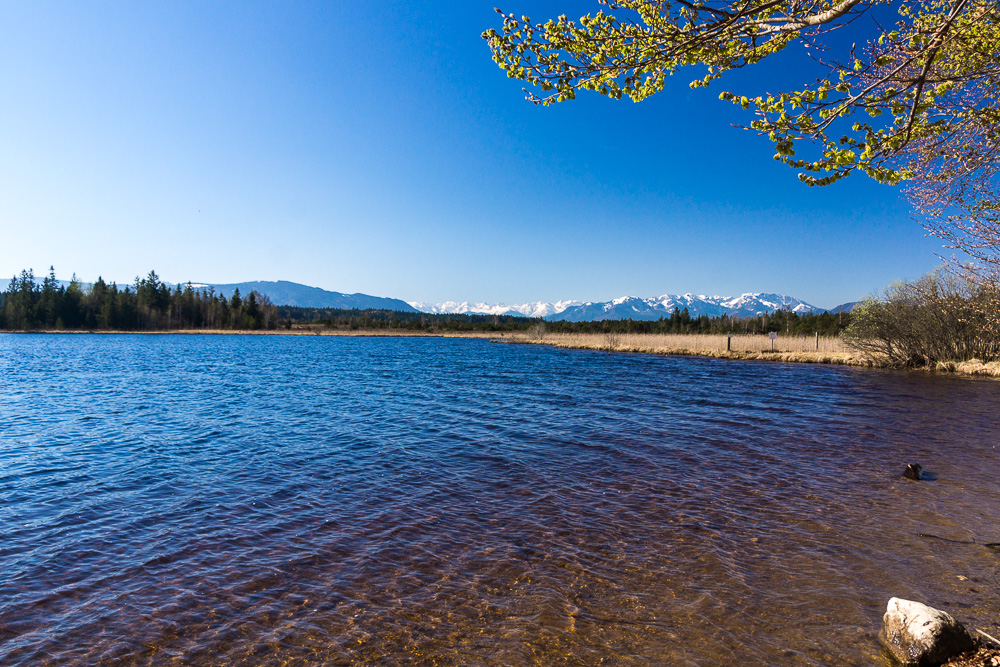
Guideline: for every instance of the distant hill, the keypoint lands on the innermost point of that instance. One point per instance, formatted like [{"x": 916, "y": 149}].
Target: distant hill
[
  {"x": 282, "y": 293},
  {"x": 285, "y": 293},
  {"x": 845, "y": 307}
]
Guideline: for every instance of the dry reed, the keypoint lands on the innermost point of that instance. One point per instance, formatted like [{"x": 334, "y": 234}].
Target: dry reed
[
  {"x": 785, "y": 348},
  {"x": 690, "y": 342}
]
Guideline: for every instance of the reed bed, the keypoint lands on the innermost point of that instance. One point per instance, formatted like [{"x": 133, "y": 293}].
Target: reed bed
[
  {"x": 826, "y": 349},
  {"x": 692, "y": 342},
  {"x": 970, "y": 367}
]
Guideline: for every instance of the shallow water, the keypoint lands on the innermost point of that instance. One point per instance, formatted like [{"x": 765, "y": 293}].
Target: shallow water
[{"x": 254, "y": 500}]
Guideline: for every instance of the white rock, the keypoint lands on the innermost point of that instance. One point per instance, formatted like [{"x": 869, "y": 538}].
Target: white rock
[{"x": 918, "y": 635}]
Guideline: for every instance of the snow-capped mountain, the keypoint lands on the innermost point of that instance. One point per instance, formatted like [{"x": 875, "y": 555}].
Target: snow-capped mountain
[
  {"x": 283, "y": 292},
  {"x": 750, "y": 304},
  {"x": 632, "y": 307},
  {"x": 536, "y": 309}
]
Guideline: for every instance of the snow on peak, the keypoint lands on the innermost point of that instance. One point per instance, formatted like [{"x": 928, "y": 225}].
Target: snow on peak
[
  {"x": 531, "y": 309},
  {"x": 747, "y": 304}
]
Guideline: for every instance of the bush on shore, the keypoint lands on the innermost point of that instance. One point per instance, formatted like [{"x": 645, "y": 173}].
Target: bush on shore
[{"x": 940, "y": 317}]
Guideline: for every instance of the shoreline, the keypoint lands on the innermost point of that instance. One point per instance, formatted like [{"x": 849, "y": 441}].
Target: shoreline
[
  {"x": 619, "y": 343},
  {"x": 646, "y": 345},
  {"x": 374, "y": 333}
]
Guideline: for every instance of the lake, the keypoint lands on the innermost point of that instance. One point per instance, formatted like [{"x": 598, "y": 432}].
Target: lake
[{"x": 305, "y": 500}]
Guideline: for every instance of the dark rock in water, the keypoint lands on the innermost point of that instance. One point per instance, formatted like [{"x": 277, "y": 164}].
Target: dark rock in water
[
  {"x": 920, "y": 636},
  {"x": 913, "y": 471}
]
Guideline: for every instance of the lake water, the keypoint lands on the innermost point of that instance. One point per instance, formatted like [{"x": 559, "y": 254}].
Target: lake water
[{"x": 269, "y": 500}]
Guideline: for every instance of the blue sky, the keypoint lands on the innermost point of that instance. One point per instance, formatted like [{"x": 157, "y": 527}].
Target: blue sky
[{"x": 376, "y": 148}]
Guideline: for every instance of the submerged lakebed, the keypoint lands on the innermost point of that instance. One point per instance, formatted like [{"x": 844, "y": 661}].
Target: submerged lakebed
[{"x": 263, "y": 500}]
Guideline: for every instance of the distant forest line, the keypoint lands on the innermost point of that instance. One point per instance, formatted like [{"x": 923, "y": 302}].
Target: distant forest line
[{"x": 151, "y": 305}]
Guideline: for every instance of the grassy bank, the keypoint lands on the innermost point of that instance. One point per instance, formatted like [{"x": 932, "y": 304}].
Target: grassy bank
[{"x": 803, "y": 349}]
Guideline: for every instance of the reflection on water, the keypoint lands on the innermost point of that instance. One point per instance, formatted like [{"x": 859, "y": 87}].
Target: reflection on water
[{"x": 323, "y": 501}]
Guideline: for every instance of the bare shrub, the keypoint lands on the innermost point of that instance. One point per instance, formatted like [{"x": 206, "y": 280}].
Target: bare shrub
[
  {"x": 940, "y": 317},
  {"x": 537, "y": 331}
]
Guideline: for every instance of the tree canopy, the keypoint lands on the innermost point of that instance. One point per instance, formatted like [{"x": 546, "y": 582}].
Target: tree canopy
[
  {"x": 147, "y": 305},
  {"x": 914, "y": 99}
]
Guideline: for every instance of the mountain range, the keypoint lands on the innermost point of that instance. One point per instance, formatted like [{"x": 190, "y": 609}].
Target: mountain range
[
  {"x": 281, "y": 292},
  {"x": 286, "y": 293},
  {"x": 533, "y": 309},
  {"x": 631, "y": 307},
  {"x": 636, "y": 308}
]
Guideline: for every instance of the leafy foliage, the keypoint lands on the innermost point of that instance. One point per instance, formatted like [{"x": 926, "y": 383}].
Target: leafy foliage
[{"x": 916, "y": 101}]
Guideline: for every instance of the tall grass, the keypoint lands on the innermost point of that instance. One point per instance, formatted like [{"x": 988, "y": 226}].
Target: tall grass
[{"x": 687, "y": 343}]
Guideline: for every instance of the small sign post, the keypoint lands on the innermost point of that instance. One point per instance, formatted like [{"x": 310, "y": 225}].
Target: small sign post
[{"x": 772, "y": 335}]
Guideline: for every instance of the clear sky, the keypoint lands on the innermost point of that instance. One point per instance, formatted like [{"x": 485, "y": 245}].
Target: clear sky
[{"x": 375, "y": 147}]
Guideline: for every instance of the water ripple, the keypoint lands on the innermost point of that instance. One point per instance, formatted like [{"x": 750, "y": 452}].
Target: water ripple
[{"x": 322, "y": 501}]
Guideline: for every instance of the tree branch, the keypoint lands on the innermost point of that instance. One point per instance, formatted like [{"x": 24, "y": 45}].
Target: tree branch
[{"x": 829, "y": 15}]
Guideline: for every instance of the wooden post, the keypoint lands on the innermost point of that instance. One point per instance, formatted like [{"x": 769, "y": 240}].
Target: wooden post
[
  {"x": 817, "y": 341},
  {"x": 729, "y": 342}
]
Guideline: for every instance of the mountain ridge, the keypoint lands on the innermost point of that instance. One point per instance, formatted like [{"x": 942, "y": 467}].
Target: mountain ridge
[
  {"x": 280, "y": 292},
  {"x": 287, "y": 293},
  {"x": 531, "y": 309},
  {"x": 748, "y": 304}
]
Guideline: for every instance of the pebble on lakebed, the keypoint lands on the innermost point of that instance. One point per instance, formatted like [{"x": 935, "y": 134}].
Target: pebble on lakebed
[{"x": 982, "y": 657}]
